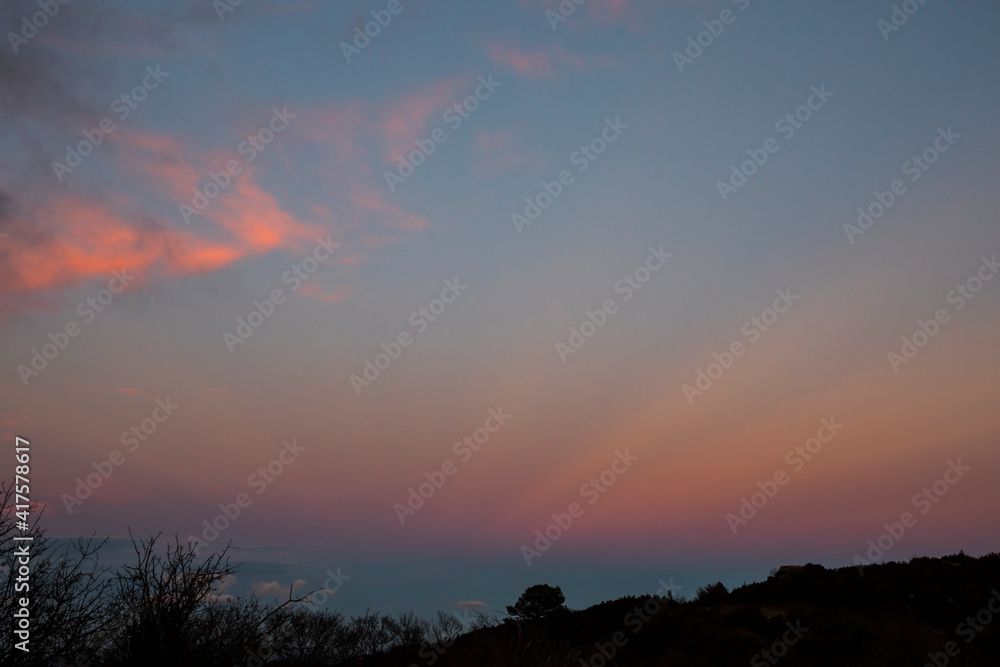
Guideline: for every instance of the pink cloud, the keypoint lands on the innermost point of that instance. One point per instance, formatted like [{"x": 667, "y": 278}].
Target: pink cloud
[
  {"x": 498, "y": 151},
  {"x": 531, "y": 64},
  {"x": 276, "y": 589},
  {"x": 318, "y": 292},
  {"x": 538, "y": 63},
  {"x": 470, "y": 604},
  {"x": 10, "y": 420},
  {"x": 609, "y": 12},
  {"x": 409, "y": 118}
]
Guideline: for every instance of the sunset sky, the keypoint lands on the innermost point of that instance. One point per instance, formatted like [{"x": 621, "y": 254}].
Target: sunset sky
[{"x": 544, "y": 246}]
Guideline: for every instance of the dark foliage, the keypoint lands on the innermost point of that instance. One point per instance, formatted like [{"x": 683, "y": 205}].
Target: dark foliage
[
  {"x": 167, "y": 608},
  {"x": 538, "y": 602}
]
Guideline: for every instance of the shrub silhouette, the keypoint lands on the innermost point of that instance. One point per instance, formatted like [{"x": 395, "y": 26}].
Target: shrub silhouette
[{"x": 711, "y": 594}]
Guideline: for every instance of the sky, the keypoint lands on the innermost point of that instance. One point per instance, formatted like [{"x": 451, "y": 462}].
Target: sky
[{"x": 505, "y": 293}]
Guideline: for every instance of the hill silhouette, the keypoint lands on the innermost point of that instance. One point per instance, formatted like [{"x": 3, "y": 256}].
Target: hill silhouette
[
  {"x": 168, "y": 608},
  {"x": 911, "y": 613}
]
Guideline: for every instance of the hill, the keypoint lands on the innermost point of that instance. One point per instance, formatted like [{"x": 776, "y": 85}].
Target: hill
[{"x": 930, "y": 611}]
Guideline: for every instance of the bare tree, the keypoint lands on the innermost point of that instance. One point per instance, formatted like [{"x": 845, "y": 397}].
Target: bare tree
[
  {"x": 306, "y": 637},
  {"x": 169, "y": 610},
  {"x": 67, "y": 589},
  {"x": 374, "y": 633}
]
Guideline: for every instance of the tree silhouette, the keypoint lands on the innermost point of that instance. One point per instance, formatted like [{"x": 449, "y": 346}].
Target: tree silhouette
[
  {"x": 712, "y": 594},
  {"x": 537, "y": 602}
]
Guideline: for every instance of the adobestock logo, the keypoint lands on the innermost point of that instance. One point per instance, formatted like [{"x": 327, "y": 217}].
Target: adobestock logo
[
  {"x": 88, "y": 310},
  {"x": 753, "y": 329},
  {"x": 258, "y": 481},
  {"x": 968, "y": 629},
  {"x": 919, "y": 164},
  {"x": 592, "y": 490},
  {"x": 296, "y": 276},
  {"x": 959, "y": 297},
  {"x": 421, "y": 320},
  {"x": 635, "y": 620},
  {"x": 630, "y": 283},
  {"x": 132, "y": 438},
  {"x": 29, "y": 28},
  {"x": 787, "y": 126},
  {"x": 899, "y": 17},
  {"x": 925, "y": 500},
  {"x": 779, "y": 649},
  {"x": 381, "y": 18},
  {"x": 566, "y": 9},
  {"x": 465, "y": 449},
  {"x": 581, "y": 158},
  {"x": 797, "y": 458},
  {"x": 455, "y": 116},
  {"x": 123, "y": 105},
  {"x": 696, "y": 44},
  {"x": 255, "y": 144}
]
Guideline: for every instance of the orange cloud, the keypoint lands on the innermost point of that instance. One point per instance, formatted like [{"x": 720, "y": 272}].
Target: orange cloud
[
  {"x": 91, "y": 240},
  {"x": 75, "y": 238},
  {"x": 80, "y": 239}
]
